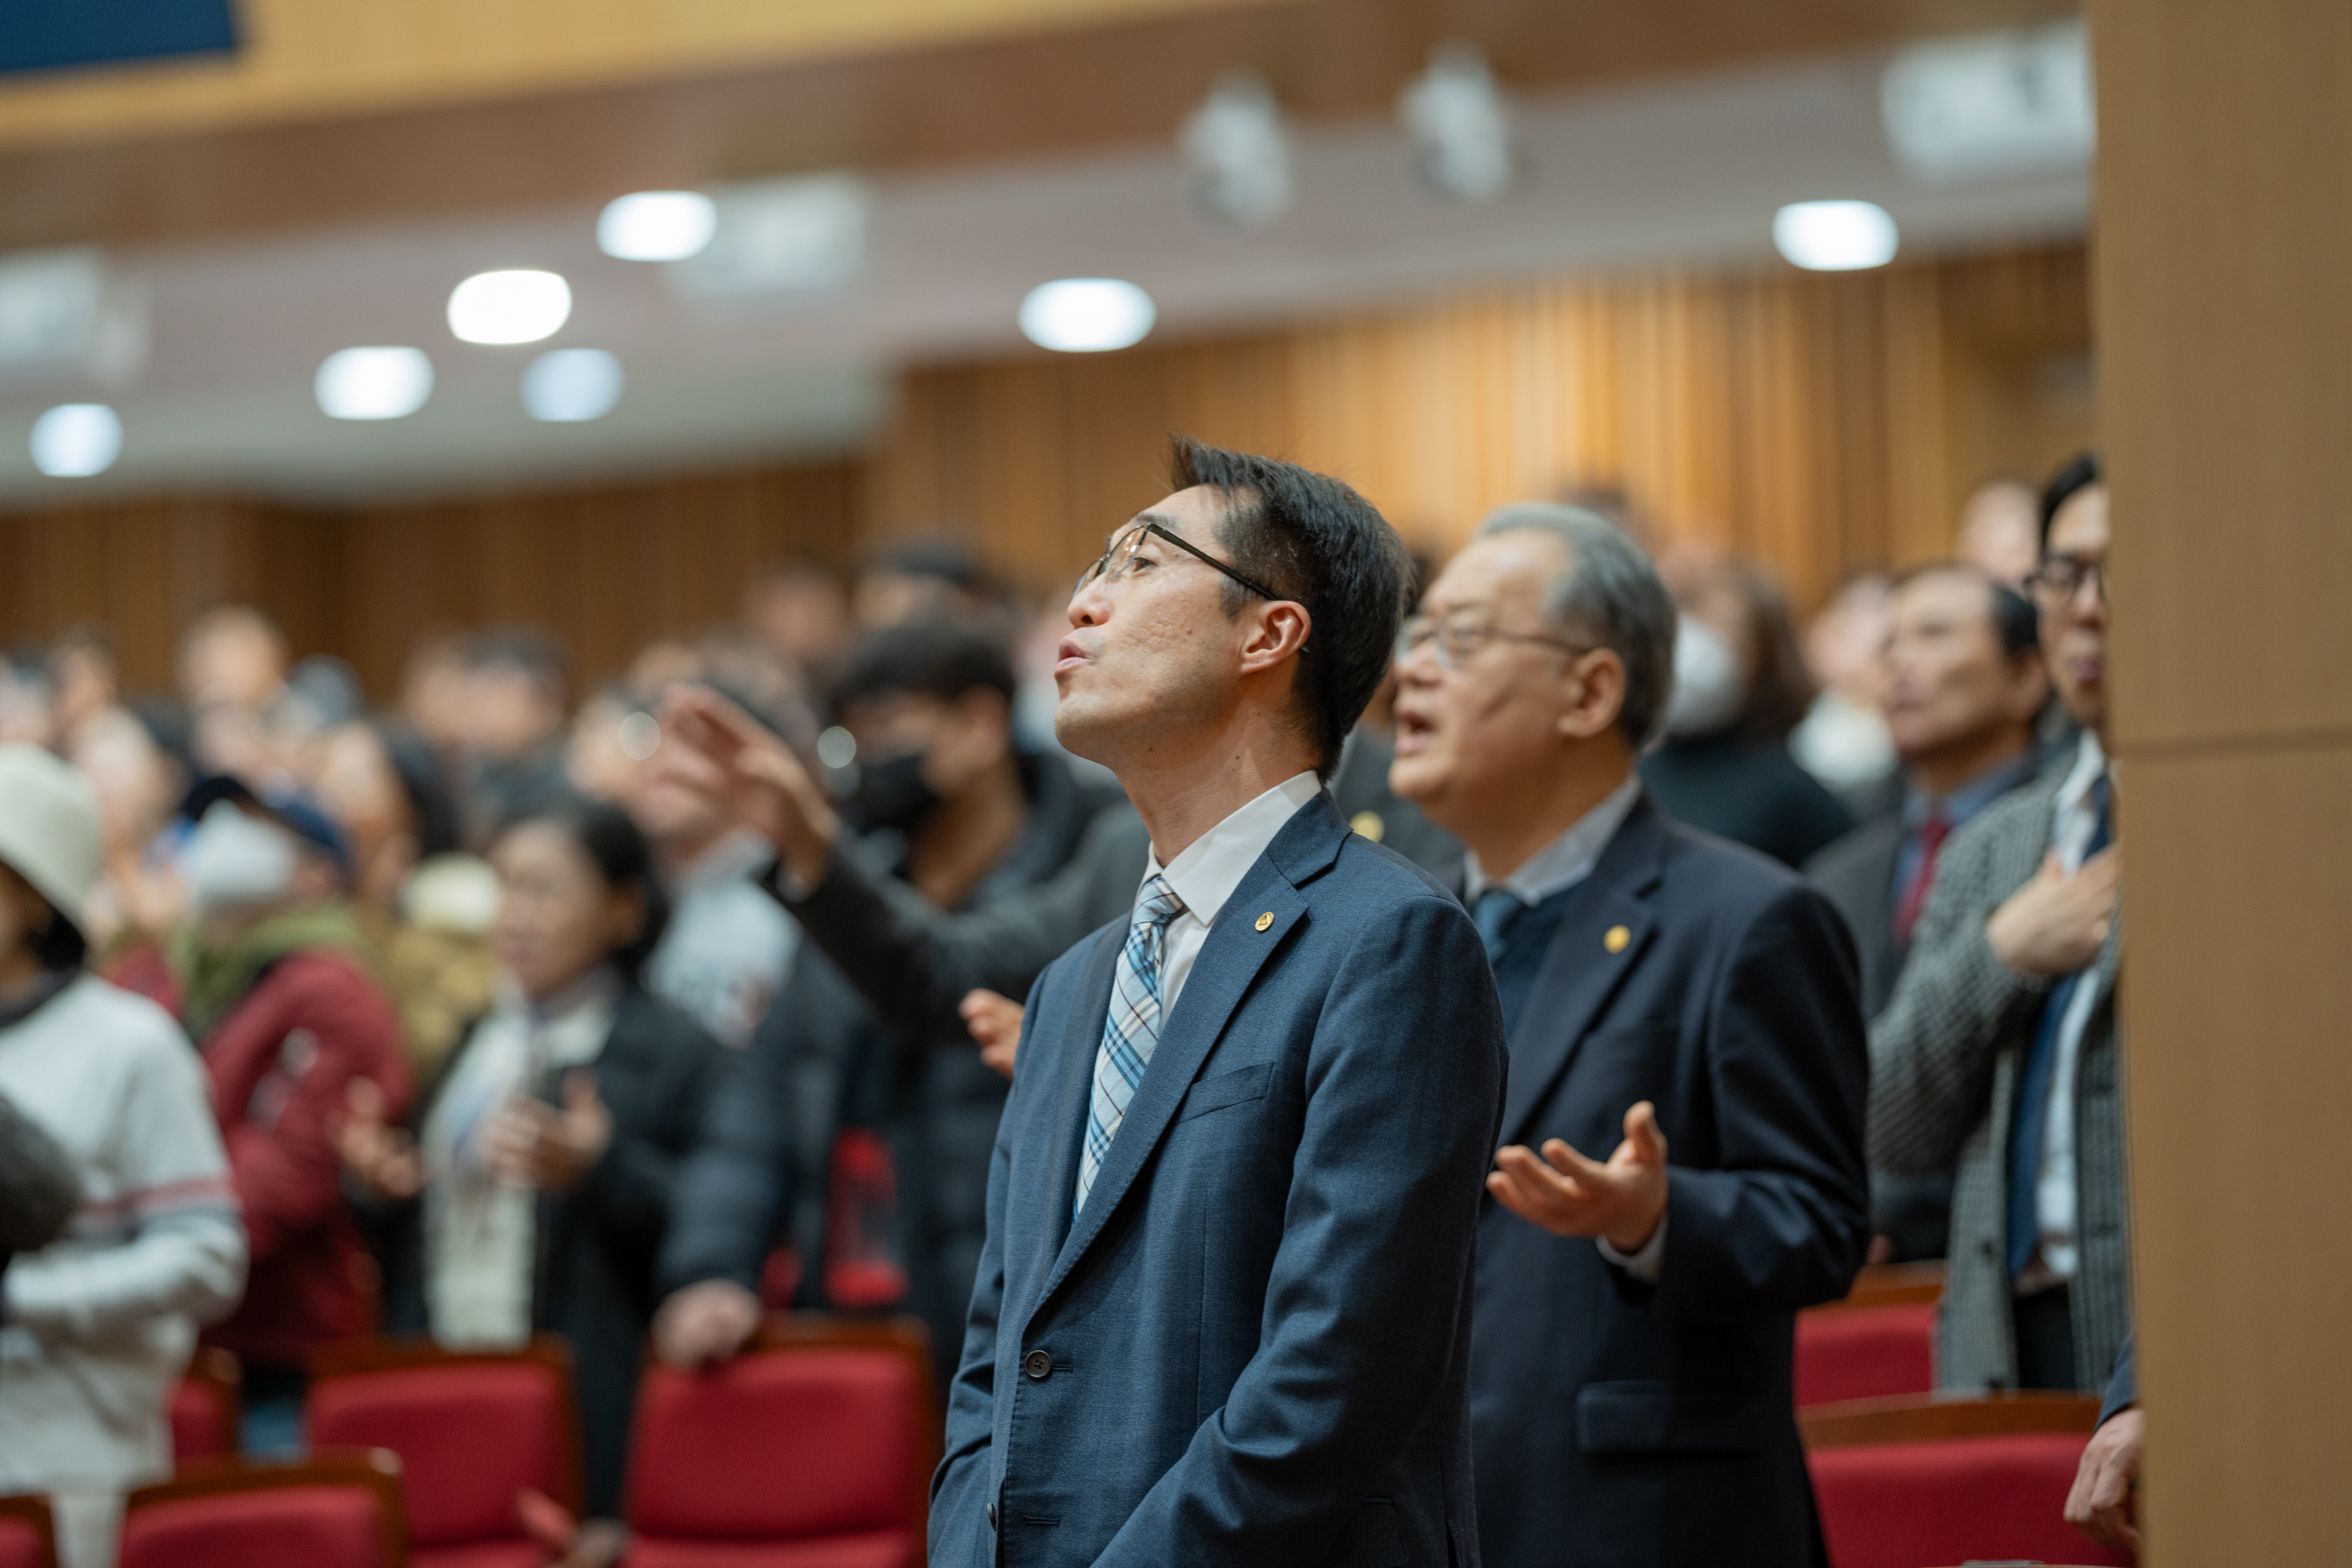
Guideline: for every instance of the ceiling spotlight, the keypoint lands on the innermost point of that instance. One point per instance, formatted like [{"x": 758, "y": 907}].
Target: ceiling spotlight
[
  {"x": 564, "y": 386},
  {"x": 777, "y": 238},
  {"x": 1239, "y": 153},
  {"x": 1087, "y": 315},
  {"x": 656, "y": 226},
  {"x": 373, "y": 383},
  {"x": 1834, "y": 236},
  {"x": 1460, "y": 126},
  {"x": 75, "y": 440},
  {"x": 1995, "y": 103},
  {"x": 513, "y": 307}
]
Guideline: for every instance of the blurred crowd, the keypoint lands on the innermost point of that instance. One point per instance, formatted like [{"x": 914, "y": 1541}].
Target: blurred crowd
[{"x": 508, "y": 1018}]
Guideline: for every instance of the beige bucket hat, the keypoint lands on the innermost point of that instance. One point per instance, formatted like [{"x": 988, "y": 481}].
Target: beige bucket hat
[{"x": 48, "y": 827}]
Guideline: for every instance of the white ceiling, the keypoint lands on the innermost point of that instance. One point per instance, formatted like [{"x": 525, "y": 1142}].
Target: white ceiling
[{"x": 1685, "y": 171}]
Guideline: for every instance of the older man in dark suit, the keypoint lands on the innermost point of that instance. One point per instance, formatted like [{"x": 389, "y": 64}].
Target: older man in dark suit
[
  {"x": 1222, "y": 1314},
  {"x": 1631, "y": 1398}
]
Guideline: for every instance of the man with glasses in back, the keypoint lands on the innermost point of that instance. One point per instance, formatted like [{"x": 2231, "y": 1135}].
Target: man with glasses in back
[
  {"x": 1223, "y": 1310},
  {"x": 2000, "y": 1054},
  {"x": 1681, "y": 1168}
]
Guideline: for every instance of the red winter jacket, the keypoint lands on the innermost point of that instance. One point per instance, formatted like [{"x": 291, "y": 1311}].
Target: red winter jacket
[{"x": 281, "y": 1064}]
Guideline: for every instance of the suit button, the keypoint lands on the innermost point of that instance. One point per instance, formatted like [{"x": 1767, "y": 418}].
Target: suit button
[
  {"x": 1038, "y": 1364},
  {"x": 991, "y": 1516}
]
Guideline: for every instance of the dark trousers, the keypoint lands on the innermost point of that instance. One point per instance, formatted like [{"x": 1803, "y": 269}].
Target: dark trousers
[{"x": 2045, "y": 1339}]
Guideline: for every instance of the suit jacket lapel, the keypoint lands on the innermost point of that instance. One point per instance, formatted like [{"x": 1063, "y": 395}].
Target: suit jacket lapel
[
  {"x": 1066, "y": 1087},
  {"x": 1231, "y": 959},
  {"x": 1580, "y": 972}
]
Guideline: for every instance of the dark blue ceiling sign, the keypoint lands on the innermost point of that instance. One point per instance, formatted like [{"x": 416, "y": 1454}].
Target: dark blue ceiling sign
[{"x": 49, "y": 35}]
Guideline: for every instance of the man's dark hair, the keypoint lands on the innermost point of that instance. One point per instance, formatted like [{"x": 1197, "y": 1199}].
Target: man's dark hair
[
  {"x": 941, "y": 556},
  {"x": 532, "y": 650},
  {"x": 929, "y": 658},
  {"x": 432, "y": 809},
  {"x": 1316, "y": 541},
  {"x": 623, "y": 860},
  {"x": 2014, "y": 619},
  {"x": 2079, "y": 475}
]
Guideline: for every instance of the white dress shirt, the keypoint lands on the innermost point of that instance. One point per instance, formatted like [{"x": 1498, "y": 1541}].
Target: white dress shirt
[
  {"x": 1206, "y": 875},
  {"x": 1555, "y": 868},
  {"x": 2054, "y": 1195}
]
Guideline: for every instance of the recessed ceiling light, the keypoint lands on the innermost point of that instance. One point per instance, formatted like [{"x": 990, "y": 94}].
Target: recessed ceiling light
[
  {"x": 1834, "y": 236},
  {"x": 373, "y": 382},
  {"x": 513, "y": 307},
  {"x": 1460, "y": 125},
  {"x": 564, "y": 386},
  {"x": 1087, "y": 315},
  {"x": 75, "y": 440},
  {"x": 1239, "y": 152},
  {"x": 656, "y": 226}
]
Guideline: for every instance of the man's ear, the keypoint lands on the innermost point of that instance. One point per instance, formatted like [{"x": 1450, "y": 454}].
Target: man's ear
[
  {"x": 1278, "y": 631},
  {"x": 1598, "y": 694}
]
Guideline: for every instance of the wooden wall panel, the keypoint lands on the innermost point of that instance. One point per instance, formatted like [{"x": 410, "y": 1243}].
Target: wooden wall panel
[
  {"x": 1807, "y": 420},
  {"x": 1816, "y": 422},
  {"x": 2225, "y": 333}
]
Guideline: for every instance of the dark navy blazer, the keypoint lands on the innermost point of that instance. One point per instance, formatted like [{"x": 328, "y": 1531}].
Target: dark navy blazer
[
  {"x": 1253, "y": 1347},
  {"x": 1621, "y": 1423}
]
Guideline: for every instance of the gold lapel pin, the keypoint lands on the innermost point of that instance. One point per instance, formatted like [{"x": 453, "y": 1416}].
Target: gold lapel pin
[
  {"x": 1266, "y": 920},
  {"x": 1370, "y": 825},
  {"x": 1617, "y": 939}
]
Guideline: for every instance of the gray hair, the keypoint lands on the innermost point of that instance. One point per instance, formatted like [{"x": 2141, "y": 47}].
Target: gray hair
[{"x": 1611, "y": 595}]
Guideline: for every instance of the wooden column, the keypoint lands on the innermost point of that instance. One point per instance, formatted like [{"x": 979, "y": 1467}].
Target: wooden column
[{"x": 2223, "y": 289}]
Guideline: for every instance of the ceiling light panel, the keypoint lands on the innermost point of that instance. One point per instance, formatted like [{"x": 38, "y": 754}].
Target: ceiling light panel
[
  {"x": 656, "y": 226},
  {"x": 567, "y": 386},
  {"x": 1087, "y": 315},
  {"x": 373, "y": 382},
  {"x": 1834, "y": 236},
  {"x": 75, "y": 440},
  {"x": 518, "y": 306}
]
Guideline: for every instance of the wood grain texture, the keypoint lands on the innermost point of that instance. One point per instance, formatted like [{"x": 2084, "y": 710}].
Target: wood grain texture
[{"x": 1808, "y": 420}]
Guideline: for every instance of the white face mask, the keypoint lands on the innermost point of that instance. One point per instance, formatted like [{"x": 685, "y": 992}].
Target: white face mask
[
  {"x": 1708, "y": 687},
  {"x": 234, "y": 861}
]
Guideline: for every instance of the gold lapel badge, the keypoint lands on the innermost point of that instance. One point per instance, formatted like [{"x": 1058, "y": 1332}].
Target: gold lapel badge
[
  {"x": 1617, "y": 939},
  {"x": 1370, "y": 825},
  {"x": 1266, "y": 920}
]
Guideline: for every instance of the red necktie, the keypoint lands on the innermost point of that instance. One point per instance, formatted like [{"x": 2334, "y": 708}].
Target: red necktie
[{"x": 1915, "y": 897}]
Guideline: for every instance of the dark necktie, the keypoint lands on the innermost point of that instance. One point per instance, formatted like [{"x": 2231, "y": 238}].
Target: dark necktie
[
  {"x": 1498, "y": 910},
  {"x": 2030, "y": 1126},
  {"x": 1932, "y": 834}
]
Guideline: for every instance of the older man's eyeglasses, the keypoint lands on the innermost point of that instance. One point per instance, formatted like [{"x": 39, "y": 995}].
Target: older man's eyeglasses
[
  {"x": 1457, "y": 639},
  {"x": 1120, "y": 560},
  {"x": 2060, "y": 577}
]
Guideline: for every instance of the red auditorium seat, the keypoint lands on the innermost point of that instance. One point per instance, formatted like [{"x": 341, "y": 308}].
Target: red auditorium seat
[
  {"x": 1914, "y": 1483},
  {"x": 815, "y": 1450},
  {"x": 473, "y": 1430},
  {"x": 28, "y": 1540},
  {"x": 336, "y": 1508},
  {"x": 204, "y": 1405},
  {"x": 1865, "y": 1352}
]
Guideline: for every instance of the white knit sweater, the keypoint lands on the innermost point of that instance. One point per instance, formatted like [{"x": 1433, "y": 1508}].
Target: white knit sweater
[{"x": 95, "y": 1329}]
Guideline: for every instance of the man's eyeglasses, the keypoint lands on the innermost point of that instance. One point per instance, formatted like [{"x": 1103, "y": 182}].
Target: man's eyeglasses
[
  {"x": 1119, "y": 559},
  {"x": 2060, "y": 577},
  {"x": 1457, "y": 639}
]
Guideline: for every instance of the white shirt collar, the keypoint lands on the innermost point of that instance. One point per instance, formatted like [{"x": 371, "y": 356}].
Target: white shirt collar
[
  {"x": 1567, "y": 859},
  {"x": 2090, "y": 764},
  {"x": 1206, "y": 875},
  {"x": 2077, "y": 815}
]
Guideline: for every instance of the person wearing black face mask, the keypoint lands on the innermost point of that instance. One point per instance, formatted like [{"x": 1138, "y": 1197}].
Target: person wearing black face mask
[{"x": 950, "y": 806}]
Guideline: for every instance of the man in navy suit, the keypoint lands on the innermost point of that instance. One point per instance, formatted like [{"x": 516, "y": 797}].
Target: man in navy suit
[
  {"x": 1686, "y": 1001},
  {"x": 1223, "y": 1315}
]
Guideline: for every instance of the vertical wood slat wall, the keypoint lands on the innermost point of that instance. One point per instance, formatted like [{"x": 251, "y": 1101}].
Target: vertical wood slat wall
[{"x": 1820, "y": 422}]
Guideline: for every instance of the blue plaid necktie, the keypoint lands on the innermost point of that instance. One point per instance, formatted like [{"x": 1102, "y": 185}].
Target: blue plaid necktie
[
  {"x": 1498, "y": 910},
  {"x": 1131, "y": 1029}
]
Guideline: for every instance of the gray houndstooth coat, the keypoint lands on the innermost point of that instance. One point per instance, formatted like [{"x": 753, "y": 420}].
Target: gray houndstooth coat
[{"x": 1944, "y": 1061}]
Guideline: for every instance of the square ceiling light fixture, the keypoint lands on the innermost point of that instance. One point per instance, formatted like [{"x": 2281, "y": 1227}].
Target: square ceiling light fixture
[
  {"x": 779, "y": 238},
  {"x": 1996, "y": 103}
]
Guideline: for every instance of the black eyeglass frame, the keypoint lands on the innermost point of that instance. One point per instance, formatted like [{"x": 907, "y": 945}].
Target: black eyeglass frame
[
  {"x": 2041, "y": 583},
  {"x": 1443, "y": 631},
  {"x": 1135, "y": 533}
]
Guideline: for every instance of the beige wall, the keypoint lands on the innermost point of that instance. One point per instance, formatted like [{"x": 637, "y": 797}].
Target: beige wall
[{"x": 2224, "y": 294}]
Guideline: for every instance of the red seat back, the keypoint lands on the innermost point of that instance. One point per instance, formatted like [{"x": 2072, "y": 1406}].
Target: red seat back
[
  {"x": 471, "y": 1432},
  {"x": 776, "y": 1445},
  {"x": 28, "y": 1540},
  {"x": 200, "y": 1425},
  {"x": 331, "y": 1510},
  {"x": 1865, "y": 1352},
  {"x": 1909, "y": 1505}
]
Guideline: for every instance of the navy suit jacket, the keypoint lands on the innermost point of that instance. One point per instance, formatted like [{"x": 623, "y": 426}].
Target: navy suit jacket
[
  {"x": 1253, "y": 1346},
  {"x": 1618, "y": 1423}
]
